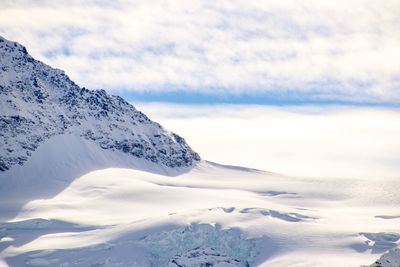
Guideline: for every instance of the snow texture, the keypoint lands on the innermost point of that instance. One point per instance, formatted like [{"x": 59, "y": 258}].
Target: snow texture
[{"x": 201, "y": 245}]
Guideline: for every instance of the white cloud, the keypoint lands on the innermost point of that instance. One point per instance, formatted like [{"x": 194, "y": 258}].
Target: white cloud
[
  {"x": 303, "y": 141},
  {"x": 346, "y": 50}
]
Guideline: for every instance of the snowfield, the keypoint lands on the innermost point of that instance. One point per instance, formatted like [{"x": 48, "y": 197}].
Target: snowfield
[
  {"x": 75, "y": 204},
  {"x": 88, "y": 180}
]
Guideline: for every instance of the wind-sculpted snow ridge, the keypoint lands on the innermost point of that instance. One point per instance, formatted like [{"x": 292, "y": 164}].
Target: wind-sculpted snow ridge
[
  {"x": 38, "y": 102},
  {"x": 381, "y": 242}
]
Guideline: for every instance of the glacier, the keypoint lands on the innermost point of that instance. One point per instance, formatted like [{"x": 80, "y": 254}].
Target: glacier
[{"x": 86, "y": 179}]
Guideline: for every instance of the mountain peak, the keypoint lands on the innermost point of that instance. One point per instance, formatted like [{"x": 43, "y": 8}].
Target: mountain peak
[{"x": 39, "y": 102}]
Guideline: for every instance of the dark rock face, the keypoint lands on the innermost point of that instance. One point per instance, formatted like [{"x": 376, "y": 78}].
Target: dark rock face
[{"x": 38, "y": 102}]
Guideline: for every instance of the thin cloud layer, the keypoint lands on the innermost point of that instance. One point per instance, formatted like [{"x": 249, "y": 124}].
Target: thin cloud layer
[
  {"x": 302, "y": 141},
  {"x": 339, "y": 50}
]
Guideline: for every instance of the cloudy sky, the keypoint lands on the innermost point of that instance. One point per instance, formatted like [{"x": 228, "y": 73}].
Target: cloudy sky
[
  {"x": 229, "y": 51},
  {"x": 316, "y": 84}
]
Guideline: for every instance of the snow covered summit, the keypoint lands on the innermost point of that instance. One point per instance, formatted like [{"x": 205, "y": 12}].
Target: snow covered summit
[{"x": 39, "y": 102}]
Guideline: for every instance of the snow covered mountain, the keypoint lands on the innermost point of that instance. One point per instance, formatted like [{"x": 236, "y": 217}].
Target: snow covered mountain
[
  {"x": 39, "y": 102},
  {"x": 87, "y": 180}
]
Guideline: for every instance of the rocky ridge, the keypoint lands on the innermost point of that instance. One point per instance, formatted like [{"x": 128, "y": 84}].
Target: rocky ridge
[{"x": 39, "y": 102}]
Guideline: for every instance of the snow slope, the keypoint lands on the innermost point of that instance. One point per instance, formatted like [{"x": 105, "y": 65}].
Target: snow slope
[
  {"x": 118, "y": 215},
  {"x": 87, "y": 180}
]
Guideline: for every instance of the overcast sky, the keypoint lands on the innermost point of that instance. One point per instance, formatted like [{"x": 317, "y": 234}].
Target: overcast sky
[{"x": 274, "y": 51}]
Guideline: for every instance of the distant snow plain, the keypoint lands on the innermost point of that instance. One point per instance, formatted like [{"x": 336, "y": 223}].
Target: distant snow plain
[
  {"x": 321, "y": 141},
  {"x": 338, "y": 207}
]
